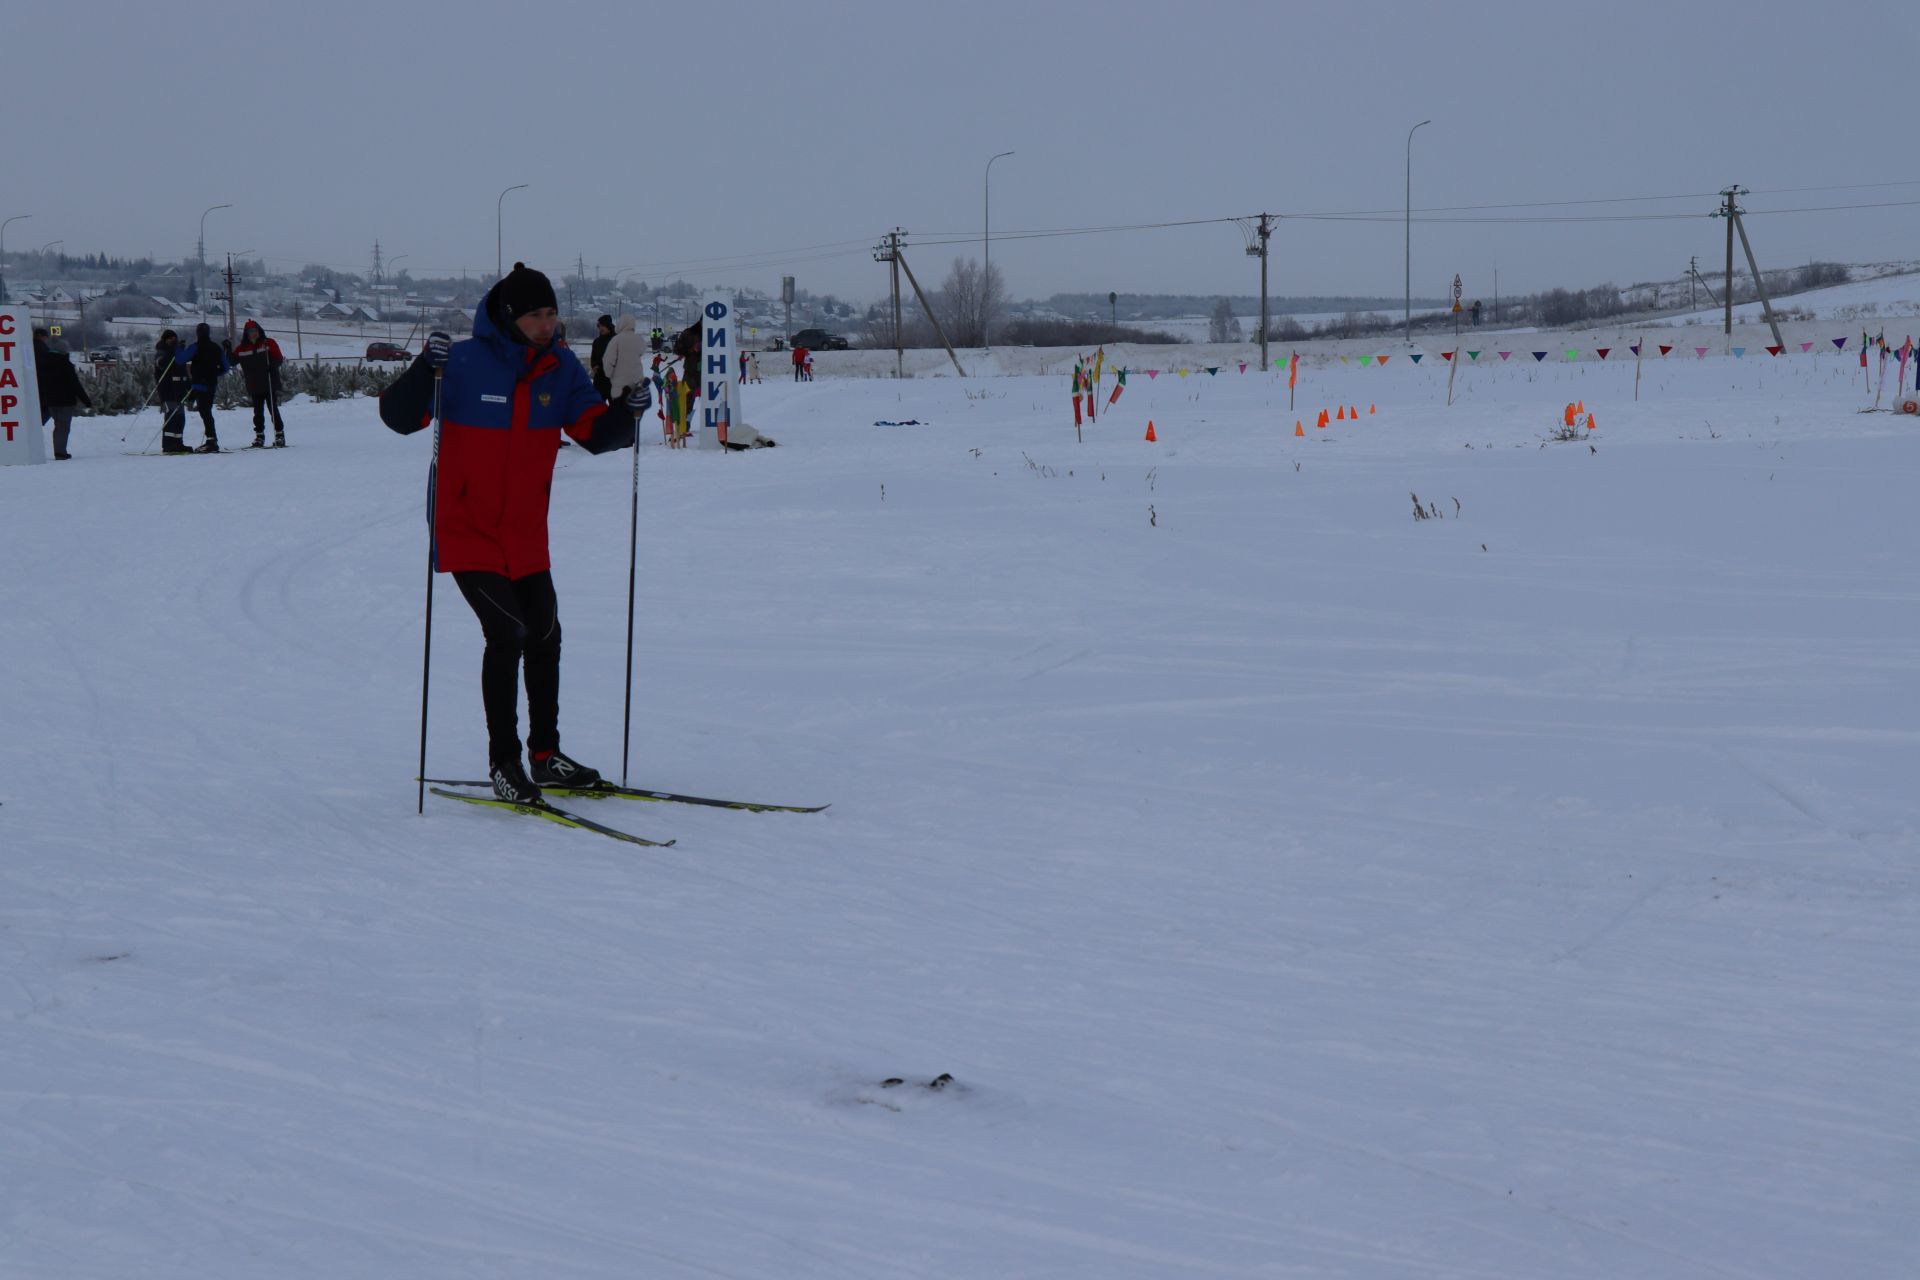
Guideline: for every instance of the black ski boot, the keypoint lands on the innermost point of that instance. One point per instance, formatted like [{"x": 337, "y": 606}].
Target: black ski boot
[
  {"x": 259, "y": 441},
  {"x": 555, "y": 769},
  {"x": 510, "y": 783},
  {"x": 279, "y": 440},
  {"x": 170, "y": 442},
  {"x": 210, "y": 445}
]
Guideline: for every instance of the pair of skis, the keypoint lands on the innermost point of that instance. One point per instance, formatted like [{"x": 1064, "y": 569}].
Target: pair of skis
[{"x": 602, "y": 790}]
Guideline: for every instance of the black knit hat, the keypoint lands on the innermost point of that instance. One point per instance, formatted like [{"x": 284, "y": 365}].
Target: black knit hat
[{"x": 523, "y": 290}]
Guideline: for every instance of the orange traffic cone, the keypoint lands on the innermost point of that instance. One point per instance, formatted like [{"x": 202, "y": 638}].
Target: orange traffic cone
[
  {"x": 1579, "y": 406},
  {"x": 1569, "y": 418},
  {"x": 1372, "y": 409},
  {"x": 1150, "y": 434},
  {"x": 1323, "y": 420},
  {"x": 1353, "y": 411},
  {"x": 1341, "y": 415},
  {"x": 1298, "y": 429},
  {"x": 1590, "y": 423}
]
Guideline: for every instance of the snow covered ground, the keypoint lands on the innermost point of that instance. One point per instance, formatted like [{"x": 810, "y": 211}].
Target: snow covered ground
[
  {"x": 1876, "y": 298},
  {"x": 1291, "y": 887}
]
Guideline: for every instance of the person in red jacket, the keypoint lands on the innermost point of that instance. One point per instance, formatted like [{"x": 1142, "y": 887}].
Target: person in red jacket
[
  {"x": 258, "y": 358},
  {"x": 505, "y": 396},
  {"x": 800, "y": 355}
]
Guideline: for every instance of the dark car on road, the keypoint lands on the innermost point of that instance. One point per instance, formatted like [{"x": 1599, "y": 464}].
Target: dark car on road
[
  {"x": 387, "y": 351},
  {"x": 818, "y": 340}
]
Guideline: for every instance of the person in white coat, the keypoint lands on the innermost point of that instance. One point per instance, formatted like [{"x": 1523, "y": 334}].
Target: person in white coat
[{"x": 625, "y": 359}]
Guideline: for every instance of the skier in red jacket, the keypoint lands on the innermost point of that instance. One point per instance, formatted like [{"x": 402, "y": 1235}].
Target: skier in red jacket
[
  {"x": 258, "y": 359},
  {"x": 505, "y": 396}
]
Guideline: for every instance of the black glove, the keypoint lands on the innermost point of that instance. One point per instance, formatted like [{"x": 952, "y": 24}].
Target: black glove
[
  {"x": 639, "y": 398},
  {"x": 439, "y": 346}
]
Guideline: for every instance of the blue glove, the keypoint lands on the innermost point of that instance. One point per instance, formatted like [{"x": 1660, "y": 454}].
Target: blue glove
[
  {"x": 639, "y": 398},
  {"x": 439, "y": 346}
]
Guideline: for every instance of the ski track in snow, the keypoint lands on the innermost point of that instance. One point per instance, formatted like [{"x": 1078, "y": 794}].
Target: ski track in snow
[{"x": 1291, "y": 887}]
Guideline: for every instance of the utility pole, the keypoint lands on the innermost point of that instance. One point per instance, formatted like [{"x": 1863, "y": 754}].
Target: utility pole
[
  {"x": 230, "y": 328},
  {"x": 1693, "y": 269},
  {"x": 378, "y": 272},
  {"x": 1731, "y": 212},
  {"x": 1260, "y": 251},
  {"x": 1726, "y": 211},
  {"x": 888, "y": 251},
  {"x": 895, "y": 252}
]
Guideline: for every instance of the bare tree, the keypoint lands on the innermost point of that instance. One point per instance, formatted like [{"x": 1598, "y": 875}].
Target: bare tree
[
  {"x": 1223, "y": 325},
  {"x": 968, "y": 298}
]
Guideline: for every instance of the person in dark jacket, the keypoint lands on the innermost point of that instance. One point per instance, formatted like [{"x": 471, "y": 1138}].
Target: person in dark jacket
[
  {"x": 60, "y": 391},
  {"x": 506, "y": 396},
  {"x": 172, "y": 385},
  {"x": 602, "y": 335},
  {"x": 259, "y": 359},
  {"x": 207, "y": 363}
]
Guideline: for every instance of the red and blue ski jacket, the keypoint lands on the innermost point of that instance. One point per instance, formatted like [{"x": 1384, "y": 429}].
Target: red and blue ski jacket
[{"x": 503, "y": 405}]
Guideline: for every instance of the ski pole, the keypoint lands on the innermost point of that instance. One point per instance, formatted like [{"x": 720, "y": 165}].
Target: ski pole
[
  {"x": 162, "y": 377},
  {"x": 426, "y": 657},
  {"x": 633, "y": 557}
]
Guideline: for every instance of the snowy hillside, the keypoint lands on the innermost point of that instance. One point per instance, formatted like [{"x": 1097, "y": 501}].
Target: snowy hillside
[
  {"x": 1290, "y": 886},
  {"x": 1865, "y": 301}
]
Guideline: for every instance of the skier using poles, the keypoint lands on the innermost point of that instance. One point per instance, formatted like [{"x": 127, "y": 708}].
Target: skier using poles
[
  {"x": 173, "y": 383},
  {"x": 504, "y": 397},
  {"x": 206, "y": 362},
  {"x": 259, "y": 359}
]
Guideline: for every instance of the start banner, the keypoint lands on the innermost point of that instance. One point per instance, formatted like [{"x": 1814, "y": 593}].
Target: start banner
[{"x": 21, "y": 440}]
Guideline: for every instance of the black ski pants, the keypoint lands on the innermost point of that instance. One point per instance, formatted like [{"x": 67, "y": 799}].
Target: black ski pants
[
  {"x": 520, "y": 621},
  {"x": 264, "y": 401},
  {"x": 202, "y": 401}
]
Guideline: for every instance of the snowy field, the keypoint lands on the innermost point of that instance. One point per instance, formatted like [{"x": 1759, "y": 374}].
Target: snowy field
[
  {"x": 1892, "y": 296},
  {"x": 1291, "y": 887}
]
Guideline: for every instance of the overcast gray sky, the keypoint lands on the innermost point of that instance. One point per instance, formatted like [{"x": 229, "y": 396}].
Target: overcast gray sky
[{"x": 734, "y": 142}]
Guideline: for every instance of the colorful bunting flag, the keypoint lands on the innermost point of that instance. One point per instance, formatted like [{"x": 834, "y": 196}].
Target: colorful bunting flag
[
  {"x": 1539, "y": 356},
  {"x": 1635, "y": 348},
  {"x": 1119, "y": 385},
  {"x": 1243, "y": 366},
  {"x": 1473, "y": 355},
  {"x": 1603, "y": 351},
  {"x": 1701, "y": 352},
  {"x": 1447, "y": 356},
  {"x": 1805, "y": 347},
  {"x": 1366, "y": 360},
  {"x": 1415, "y": 356},
  {"x": 1664, "y": 348},
  {"x": 1293, "y": 375},
  {"x": 1572, "y": 354},
  {"x": 1152, "y": 374},
  {"x": 1505, "y": 354},
  {"x": 1381, "y": 359},
  {"x": 1213, "y": 370},
  {"x": 1839, "y": 344},
  {"x": 1739, "y": 352}
]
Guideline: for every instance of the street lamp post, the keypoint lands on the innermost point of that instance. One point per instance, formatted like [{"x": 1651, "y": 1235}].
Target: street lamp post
[
  {"x": 499, "y": 259},
  {"x": 18, "y": 217},
  {"x": 986, "y": 256},
  {"x": 1409, "y": 280}
]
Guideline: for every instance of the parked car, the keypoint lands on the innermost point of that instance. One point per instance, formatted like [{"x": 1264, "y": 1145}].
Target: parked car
[
  {"x": 818, "y": 340},
  {"x": 108, "y": 355},
  {"x": 387, "y": 351}
]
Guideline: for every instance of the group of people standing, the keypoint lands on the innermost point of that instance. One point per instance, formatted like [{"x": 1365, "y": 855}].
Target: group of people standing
[{"x": 187, "y": 377}]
